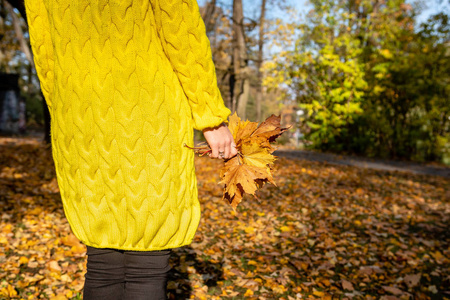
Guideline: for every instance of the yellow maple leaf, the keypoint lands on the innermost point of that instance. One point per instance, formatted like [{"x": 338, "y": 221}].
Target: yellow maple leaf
[
  {"x": 254, "y": 155},
  {"x": 233, "y": 124},
  {"x": 245, "y": 130}
]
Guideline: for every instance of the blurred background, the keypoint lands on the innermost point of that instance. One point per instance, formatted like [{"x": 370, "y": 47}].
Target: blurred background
[{"x": 359, "y": 77}]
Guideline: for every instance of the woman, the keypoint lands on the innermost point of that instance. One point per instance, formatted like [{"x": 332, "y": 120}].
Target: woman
[{"x": 126, "y": 81}]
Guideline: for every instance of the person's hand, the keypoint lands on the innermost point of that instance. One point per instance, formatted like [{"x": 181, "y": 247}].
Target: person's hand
[{"x": 220, "y": 141}]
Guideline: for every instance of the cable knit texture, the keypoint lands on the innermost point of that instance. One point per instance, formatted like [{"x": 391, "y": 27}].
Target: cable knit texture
[{"x": 126, "y": 81}]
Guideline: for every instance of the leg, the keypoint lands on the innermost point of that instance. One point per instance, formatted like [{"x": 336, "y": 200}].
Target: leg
[
  {"x": 146, "y": 274},
  {"x": 105, "y": 277}
]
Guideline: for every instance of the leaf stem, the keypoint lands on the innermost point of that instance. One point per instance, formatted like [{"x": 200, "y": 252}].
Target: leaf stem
[
  {"x": 239, "y": 156},
  {"x": 202, "y": 150}
]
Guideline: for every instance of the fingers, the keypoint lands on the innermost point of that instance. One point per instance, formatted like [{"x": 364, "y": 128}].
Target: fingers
[
  {"x": 225, "y": 153},
  {"x": 223, "y": 149},
  {"x": 221, "y": 142},
  {"x": 227, "y": 150},
  {"x": 214, "y": 150},
  {"x": 233, "y": 150}
]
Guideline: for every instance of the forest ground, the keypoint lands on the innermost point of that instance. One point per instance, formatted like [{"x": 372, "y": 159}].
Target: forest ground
[{"x": 326, "y": 231}]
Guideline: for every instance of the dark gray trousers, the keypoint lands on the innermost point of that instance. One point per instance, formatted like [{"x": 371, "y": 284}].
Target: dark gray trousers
[{"x": 126, "y": 275}]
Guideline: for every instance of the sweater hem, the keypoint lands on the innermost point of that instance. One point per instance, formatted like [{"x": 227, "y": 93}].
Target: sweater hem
[{"x": 115, "y": 247}]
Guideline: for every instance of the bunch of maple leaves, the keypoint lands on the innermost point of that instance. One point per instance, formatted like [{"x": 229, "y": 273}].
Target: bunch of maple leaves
[{"x": 252, "y": 167}]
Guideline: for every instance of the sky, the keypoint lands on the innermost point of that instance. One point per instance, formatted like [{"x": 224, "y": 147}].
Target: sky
[
  {"x": 251, "y": 7},
  {"x": 252, "y": 11}
]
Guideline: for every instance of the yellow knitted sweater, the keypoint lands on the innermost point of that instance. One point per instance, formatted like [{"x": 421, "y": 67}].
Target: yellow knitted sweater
[{"x": 126, "y": 81}]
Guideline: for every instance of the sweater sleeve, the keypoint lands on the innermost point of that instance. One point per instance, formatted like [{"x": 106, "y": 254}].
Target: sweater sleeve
[
  {"x": 41, "y": 45},
  {"x": 183, "y": 36}
]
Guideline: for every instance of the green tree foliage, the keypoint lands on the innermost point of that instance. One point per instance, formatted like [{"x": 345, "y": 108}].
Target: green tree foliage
[
  {"x": 407, "y": 106},
  {"x": 325, "y": 73},
  {"x": 369, "y": 80}
]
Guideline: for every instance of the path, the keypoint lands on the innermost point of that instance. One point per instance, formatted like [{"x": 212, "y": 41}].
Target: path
[{"x": 362, "y": 162}]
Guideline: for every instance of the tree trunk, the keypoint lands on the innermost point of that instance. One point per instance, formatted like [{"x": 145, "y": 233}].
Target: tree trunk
[
  {"x": 243, "y": 99},
  {"x": 19, "y": 33},
  {"x": 20, "y": 6},
  {"x": 259, "y": 63},
  {"x": 240, "y": 95},
  {"x": 208, "y": 15}
]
